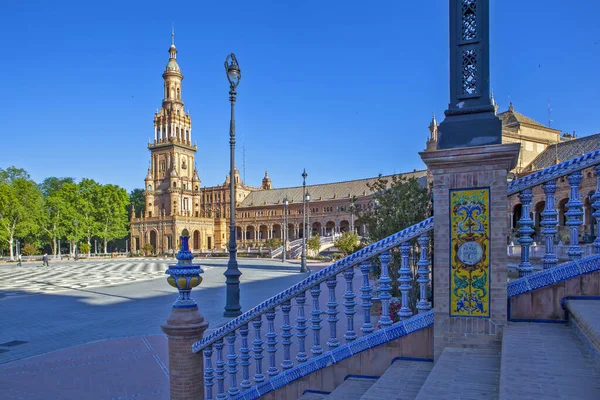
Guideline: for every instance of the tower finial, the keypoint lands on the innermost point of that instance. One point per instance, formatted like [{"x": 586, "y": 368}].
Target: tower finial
[{"x": 173, "y": 35}]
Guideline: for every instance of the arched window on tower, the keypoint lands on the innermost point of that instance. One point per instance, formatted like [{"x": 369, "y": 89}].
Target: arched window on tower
[{"x": 178, "y": 93}]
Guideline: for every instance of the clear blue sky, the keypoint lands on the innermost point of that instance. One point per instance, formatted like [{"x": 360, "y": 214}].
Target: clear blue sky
[{"x": 343, "y": 88}]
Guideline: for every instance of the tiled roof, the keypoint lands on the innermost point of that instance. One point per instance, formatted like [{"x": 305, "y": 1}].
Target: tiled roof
[
  {"x": 512, "y": 118},
  {"x": 565, "y": 151},
  {"x": 326, "y": 191}
]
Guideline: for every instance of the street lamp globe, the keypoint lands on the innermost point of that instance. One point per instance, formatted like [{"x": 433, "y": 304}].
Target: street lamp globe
[{"x": 233, "y": 70}]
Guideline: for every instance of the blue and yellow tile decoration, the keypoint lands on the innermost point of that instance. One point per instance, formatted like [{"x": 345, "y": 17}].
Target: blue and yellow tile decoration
[{"x": 470, "y": 252}]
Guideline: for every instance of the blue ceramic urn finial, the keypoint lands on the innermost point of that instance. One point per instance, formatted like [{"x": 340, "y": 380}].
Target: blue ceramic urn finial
[{"x": 184, "y": 275}]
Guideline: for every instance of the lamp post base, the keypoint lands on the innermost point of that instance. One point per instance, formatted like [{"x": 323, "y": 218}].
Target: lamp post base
[{"x": 232, "y": 275}]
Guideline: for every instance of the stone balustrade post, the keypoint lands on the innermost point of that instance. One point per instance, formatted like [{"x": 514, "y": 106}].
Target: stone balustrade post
[{"x": 184, "y": 327}]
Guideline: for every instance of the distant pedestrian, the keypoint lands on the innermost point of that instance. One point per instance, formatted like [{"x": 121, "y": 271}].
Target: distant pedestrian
[
  {"x": 19, "y": 261},
  {"x": 45, "y": 260}
]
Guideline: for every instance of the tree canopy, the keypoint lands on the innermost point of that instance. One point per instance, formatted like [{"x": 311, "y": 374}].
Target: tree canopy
[{"x": 59, "y": 208}]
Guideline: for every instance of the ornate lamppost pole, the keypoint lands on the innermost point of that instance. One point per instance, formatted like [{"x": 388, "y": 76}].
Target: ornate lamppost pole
[
  {"x": 303, "y": 257},
  {"x": 285, "y": 228},
  {"x": 232, "y": 274}
]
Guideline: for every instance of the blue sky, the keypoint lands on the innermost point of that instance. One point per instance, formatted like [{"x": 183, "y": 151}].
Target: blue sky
[{"x": 341, "y": 88}]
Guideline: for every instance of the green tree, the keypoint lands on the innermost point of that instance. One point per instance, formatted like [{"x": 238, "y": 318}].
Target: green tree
[
  {"x": 347, "y": 243},
  {"x": 273, "y": 243},
  {"x": 397, "y": 204},
  {"x": 147, "y": 248},
  {"x": 112, "y": 213},
  {"x": 85, "y": 248},
  {"x": 137, "y": 200},
  {"x": 21, "y": 206},
  {"x": 87, "y": 200},
  {"x": 314, "y": 244},
  {"x": 30, "y": 249},
  {"x": 55, "y": 206}
]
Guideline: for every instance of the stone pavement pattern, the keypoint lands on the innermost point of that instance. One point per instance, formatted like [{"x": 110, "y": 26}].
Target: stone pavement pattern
[
  {"x": 32, "y": 278},
  {"x": 52, "y": 321}
]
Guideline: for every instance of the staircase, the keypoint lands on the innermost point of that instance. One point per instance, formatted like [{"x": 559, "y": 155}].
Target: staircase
[{"x": 535, "y": 361}]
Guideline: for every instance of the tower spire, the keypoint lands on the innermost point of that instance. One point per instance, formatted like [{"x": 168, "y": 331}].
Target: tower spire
[{"x": 173, "y": 35}]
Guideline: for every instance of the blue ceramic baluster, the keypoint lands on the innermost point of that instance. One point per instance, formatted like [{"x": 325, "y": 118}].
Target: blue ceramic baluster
[
  {"x": 525, "y": 230},
  {"x": 208, "y": 372},
  {"x": 596, "y": 205},
  {"x": 574, "y": 215},
  {"x": 423, "y": 305},
  {"x": 366, "y": 296},
  {"x": 245, "y": 357},
  {"x": 405, "y": 281},
  {"x": 220, "y": 371},
  {"x": 271, "y": 342},
  {"x": 232, "y": 365},
  {"x": 301, "y": 328},
  {"x": 257, "y": 349},
  {"x": 384, "y": 290},
  {"x": 316, "y": 320},
  {"x": 548, "y": 223},
  {"x": 332, "y": 313},
  {"x": 349, "y": 305},
  {"x": 286, "y": 335}
]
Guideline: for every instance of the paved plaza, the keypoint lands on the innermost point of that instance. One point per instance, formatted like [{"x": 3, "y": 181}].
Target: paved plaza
[{"x": 44, "y": 309}]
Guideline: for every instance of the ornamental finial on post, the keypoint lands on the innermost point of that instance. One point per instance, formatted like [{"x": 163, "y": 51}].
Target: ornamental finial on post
[{"x": 184, "y": 275}]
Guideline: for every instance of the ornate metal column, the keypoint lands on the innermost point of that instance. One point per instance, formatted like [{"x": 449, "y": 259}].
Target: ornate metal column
[
  {"x": 303, "y": 257},
  {"x": 470, "y": 118},
  {"x": 232, "y": 274},
  {"x": 285, "y": 229}
]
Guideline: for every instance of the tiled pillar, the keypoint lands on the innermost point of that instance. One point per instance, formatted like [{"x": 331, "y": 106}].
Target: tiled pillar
[{"x": 480, "y": 171}]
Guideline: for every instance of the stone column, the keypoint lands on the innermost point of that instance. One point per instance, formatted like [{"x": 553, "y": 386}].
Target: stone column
[
  {"x": 481, "y": 171},
  {"x": 184, "y": 327}
]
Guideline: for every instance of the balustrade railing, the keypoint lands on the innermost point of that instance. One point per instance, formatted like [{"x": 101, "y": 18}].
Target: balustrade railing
[
  {"x": 334, "y": 319},
  {"x": 547, "y": 178},
  {"x": 330, "y": 294}
]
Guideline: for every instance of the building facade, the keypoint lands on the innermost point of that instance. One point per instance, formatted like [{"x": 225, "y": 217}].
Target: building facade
[{"x": 175, "y": 199}]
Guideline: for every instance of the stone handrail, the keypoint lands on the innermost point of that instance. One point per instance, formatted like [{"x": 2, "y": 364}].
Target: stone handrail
[{"x": 336, "y": 268}]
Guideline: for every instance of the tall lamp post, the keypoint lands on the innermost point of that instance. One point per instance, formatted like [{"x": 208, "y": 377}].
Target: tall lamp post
[
  {"x": 285, "y": 228},
  {"x": 303, "y": 258},
  {"x": 232, "y": 274}
]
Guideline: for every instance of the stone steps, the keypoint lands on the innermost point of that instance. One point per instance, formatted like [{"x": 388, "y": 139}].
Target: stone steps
[
  {"x": 584, "y": 317},
  {"x": 547, "y": 361},
  {"x": 352, "y": 389},
  {"x": 401, "y": 381},
  {"x": 463, "y": 373}
]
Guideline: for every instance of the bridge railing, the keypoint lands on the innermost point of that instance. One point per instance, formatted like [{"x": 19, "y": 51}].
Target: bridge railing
[
  {"x": 244, "y": 338},
  {"x": 547, "y": 178}
]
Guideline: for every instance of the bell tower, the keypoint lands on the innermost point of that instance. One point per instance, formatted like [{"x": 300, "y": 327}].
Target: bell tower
[{"x": 172, "y": 183}]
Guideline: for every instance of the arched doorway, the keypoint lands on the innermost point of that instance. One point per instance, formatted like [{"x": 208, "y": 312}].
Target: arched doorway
[
  {"x": 316, "y": 228},
  {"x": 250, "y": 233},
  {"x": 537, "y": 220},
  {"x": 277, "y": 231},
  {"x": 196, "y": 240},
  {"x": 263, "y": 232},
  {"x": 153, "y": 240},
  {"x": 344, "y": 226},
  {"x": 238, "y": 233},
  {"x": 290, "y": 232},
  {"x": 330, "y": 228},
  {"x": 516, "y": 215}
]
